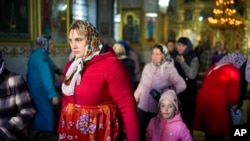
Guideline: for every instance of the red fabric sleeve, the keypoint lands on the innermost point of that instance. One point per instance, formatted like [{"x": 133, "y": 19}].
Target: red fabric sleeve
[{"x": 122, "y": 93}]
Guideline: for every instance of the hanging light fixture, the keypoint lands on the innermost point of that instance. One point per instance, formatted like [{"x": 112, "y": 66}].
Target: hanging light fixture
[{"x": 224, "y": 15}]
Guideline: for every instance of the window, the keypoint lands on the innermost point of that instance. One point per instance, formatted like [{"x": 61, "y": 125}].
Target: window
[
  {"x": 117, "y": 20},
  {"x": 79, "y": 10}
]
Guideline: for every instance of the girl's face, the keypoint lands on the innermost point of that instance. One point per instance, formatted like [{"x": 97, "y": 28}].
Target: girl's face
[
  {"x": 181, "y": 48},
  {"x": 78, "y": 43},
  {"x": 167, "y": 109},
  {"x": 157, "y": 56}
]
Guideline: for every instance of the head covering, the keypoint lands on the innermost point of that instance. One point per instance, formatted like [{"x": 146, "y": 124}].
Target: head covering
[
  {"x": 187, "y": 42},
  {"x": 43, "y": 42},
  {"x": 247, "y": 69},
  {"x": 92, "y": 35},
  {"x": 119, "y": 50},
  {"x": 2, "y": 63},
  {"x": 166, "y": 53},
  {"x": 237, "y": 59},
  {"x": 171, "y": 96},
  {"x": 126, "y": 46},
  {"x": 73, "y": 75}
]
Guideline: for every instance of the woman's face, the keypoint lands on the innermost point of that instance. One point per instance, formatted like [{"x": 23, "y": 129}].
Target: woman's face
[
  {"x": 157, "y": 56},
  {"x": 167, "y": 109},
  {"x": 181, "y": 48},
  {"x": 218, "y": 46},
  {"x": 170, "y": 46},
  {"x": 78, "y": 43}
]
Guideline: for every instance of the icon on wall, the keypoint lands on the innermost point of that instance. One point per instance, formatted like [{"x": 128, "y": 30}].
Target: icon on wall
[
  {"x": 16, "y": 18},
  {"x": 150, "y": 27},
  {"x": 131, "y": 26}
]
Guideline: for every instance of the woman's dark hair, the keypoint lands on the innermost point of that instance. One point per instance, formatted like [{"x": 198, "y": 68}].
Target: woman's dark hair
[{"x": 183, "y": 40}]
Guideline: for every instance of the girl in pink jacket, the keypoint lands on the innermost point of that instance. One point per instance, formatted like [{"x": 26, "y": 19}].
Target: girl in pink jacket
[{"x": 168, "y": 124}]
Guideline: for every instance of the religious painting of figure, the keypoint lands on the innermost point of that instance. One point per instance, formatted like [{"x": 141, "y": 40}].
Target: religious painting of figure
[
  {"x": 14, "y": 16},
  {"x": 15, "y": 19},
  {"x": 150, "y": 24},
  {"x": 131, "y": 28}
]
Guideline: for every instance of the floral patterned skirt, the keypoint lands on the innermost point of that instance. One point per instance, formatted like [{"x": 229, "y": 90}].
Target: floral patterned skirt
[{"x": 89, "y": 123}]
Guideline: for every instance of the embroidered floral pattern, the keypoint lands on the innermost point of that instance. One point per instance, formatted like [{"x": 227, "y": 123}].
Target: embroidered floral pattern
[
  {"x": 85, "y": 124},
  {"x": 89, "y": 123}
]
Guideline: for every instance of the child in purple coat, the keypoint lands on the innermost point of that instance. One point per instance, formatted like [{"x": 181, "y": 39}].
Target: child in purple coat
[{"x": 168, "y": 124}]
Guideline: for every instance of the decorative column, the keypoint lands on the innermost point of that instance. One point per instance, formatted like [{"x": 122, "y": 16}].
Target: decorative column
[{"x": 246, "y": 40}]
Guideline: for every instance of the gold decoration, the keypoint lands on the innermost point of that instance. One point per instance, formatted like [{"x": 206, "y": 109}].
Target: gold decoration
[{"x": 225, "y": 16}]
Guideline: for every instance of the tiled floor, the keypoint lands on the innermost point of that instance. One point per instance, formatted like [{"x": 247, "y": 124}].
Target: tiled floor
[
  {"x": 198, "y": 136},
  {"x": 43, "y": 136}
]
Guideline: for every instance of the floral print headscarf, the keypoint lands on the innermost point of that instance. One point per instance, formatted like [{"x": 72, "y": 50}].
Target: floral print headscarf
[
  {"x": 73, "y": 75},
  {"x": 43, "y": 42}
]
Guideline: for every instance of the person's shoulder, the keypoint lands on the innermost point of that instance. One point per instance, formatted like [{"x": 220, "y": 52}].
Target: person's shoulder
[
  {"x": 230, "y": 70},
  {"x": 232, "y": 67},
  {"x": 13, "y": 75},
  {"x": 170, "y": 64},
  {"x": 153, "y": 120},
  {"x": 108, "y": 59},
  {"x": 127, "y": 60},
  {"x": 37, "y": 50},
  {"x": 148, "y": 65},
  {"x": 178, "y": 122},
  {"x": 38, "y": 53}
]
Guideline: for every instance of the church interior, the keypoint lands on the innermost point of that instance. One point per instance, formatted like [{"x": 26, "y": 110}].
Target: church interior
[{"x": 154, "y": 21}]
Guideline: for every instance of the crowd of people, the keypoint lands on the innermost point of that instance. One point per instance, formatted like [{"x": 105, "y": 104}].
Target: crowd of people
[{"x": 104, "y": 95}]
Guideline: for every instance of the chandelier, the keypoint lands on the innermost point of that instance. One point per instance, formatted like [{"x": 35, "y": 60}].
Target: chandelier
[{"x": 224, "y": 15}]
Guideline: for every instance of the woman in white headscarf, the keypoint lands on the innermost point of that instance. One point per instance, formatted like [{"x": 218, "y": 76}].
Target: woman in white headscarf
[{"x": 157, "y": 76}]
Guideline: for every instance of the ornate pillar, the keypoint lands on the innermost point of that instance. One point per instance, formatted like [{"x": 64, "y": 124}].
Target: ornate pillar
[
  {"x": 197, "y": 26},
  {"x": 246, "y": 39}
]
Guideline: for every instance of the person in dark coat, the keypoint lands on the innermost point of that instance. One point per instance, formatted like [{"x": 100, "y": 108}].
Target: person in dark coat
[
  {"x": 187, "y": 64},
  {"x": 171, "y": 45},
  {"x": 128, "y": 63},
  {"x": 16, "y": 106}
]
